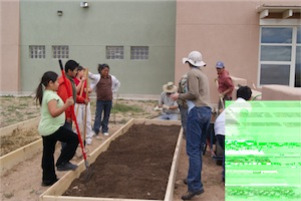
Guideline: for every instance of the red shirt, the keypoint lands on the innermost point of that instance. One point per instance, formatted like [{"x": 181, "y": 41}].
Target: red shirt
[
  {"x": 225, "y": 82},
  {"x": 84, "y": 94},
  {"x": 63, "y": 93}
]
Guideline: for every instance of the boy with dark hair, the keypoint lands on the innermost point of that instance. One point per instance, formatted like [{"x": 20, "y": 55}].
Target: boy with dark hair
[
  {"x": 70, "y": 70},
  {"x": 238, "y": 108}
]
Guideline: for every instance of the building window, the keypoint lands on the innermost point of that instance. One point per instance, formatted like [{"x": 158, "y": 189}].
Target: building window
[
  {"x": 280, "y": 52},
  {"x": 114, "y": 52},
  {"x": 139, "y": 52},
  {"x": 60, "y": 51},
  {"x": 37, "y": 51}
]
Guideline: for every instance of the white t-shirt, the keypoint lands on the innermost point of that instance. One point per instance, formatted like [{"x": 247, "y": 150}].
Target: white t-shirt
[{"x": 232, "y": 114}]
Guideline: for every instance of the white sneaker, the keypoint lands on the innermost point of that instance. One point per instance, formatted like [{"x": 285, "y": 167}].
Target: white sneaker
[
  {"x": 89, "y": 141},
  {"x": 106, "y": 134}
]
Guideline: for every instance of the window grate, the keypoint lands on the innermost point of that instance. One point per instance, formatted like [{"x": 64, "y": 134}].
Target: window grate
[
  {"x": 114, "y": 52},
  {"x": 139, "y": 52},
  {"x": 60, "y": 51},
  {"x": 37, "y": 52}
]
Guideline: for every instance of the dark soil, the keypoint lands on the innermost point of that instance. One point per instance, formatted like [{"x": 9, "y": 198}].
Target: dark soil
[{"x": 135, "y": 166}]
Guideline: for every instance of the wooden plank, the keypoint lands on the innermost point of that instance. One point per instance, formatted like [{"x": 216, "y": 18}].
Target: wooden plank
[
  {"x": 69, "y": 198},
  {"x": 24, "y": 125},
  {"x": 157, "y": 122},
  {"x": 174, "y": 168},
  {"x": 13, "y": 158}
]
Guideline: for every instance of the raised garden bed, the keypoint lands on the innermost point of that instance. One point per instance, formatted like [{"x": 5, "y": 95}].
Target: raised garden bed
[{"x": 140, "y": 164}]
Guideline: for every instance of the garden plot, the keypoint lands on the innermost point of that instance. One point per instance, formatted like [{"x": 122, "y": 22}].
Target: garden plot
[{"x": 140, "y": 164}]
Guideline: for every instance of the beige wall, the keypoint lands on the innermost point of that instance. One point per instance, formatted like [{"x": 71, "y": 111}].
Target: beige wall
[
  {"x": 10, "y": 58},
  {"x": 221, "y": 30},
  {"x": 280, "y": 92}
]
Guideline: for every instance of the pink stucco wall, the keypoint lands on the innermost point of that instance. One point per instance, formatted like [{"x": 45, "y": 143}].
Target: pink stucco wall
[
  {"x": 220, "y": 30},
  {"x": 10, "y": 56}
]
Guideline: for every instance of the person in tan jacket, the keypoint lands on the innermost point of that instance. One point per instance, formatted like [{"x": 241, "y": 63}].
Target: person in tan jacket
[{"x": 198, "y": 120}]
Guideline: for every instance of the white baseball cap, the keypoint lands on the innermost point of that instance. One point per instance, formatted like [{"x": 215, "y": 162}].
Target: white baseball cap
[{"x": 195, "y": 58}]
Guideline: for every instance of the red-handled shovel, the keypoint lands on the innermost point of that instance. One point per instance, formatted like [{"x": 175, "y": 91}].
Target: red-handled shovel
[{"x": 74, "y": 118}]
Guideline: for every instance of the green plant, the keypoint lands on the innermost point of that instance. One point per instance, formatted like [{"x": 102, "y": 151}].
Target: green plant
[{"x": 119, "y": 107}]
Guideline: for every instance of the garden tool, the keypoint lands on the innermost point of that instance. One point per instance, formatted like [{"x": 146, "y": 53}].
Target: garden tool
[{"x": 86, "y": 106}]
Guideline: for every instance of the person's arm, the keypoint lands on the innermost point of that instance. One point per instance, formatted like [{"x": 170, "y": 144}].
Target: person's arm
[
  {"x": 80, "y": 99},
  {"x": 54, "y": 110},
  {"x": 94, "y": 80},
  {"x": 173, "y": 107},
  {"x": 193, "y": 88},
  {"x": 62, "y": 92},
  {"x": 115, "y": 84},
  {"x": 79, "y": 84}
]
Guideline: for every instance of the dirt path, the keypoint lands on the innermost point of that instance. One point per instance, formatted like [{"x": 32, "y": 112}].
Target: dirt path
[{"x": 23, "y": 182}]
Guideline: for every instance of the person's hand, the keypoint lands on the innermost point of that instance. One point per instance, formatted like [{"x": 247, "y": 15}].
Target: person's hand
[
  {"x": 165, "y": 107},
  {"x": 174, "y": 96},
  {"x": 69, "y": 101},
  {"x": 221, "y": 95},
  {"x": 157, "y": 108},
  {"x": 86, "y": 101}
]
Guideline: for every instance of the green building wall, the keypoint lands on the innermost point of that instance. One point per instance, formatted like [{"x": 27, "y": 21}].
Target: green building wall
[{"x": 87, "y": 32}]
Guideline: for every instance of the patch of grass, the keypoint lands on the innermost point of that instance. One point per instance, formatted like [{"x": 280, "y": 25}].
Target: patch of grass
[
  {"x": 8, "y": 195},
  {"x": 119, "y": 107},
  {"x": 123, "y": 121},
  {"x": 11, "y": 108},
  {"x": 23, "y": 105}
]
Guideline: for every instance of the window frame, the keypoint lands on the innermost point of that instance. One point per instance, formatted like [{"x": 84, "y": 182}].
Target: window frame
[
  {"x": 114, "y": 56},
  {"x": 60, "y": 56},
  {"x": 294, "y": 44},
  {"x": 35, "y": 54},
  {"x": 136, "y": 57}
]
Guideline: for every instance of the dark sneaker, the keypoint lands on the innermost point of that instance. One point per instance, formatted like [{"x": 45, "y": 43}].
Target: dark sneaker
[
  {"x": 189, "y": 195},
  {"x": 49, "y": 183},
  {"x": 66, "y": 166}
]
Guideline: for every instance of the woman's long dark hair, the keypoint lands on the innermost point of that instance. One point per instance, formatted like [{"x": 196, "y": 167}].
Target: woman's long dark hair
[{"x": 46, "y": 78}]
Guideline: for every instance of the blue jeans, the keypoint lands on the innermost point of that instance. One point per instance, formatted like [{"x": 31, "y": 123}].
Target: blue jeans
[
  {"x": 105, "y": 107},
  {"x": 198, "y": 122},
  {"x": 169, "y": 117},
  {"x": 221, "y": 141},
  {"x": 183, "y": 112}
]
